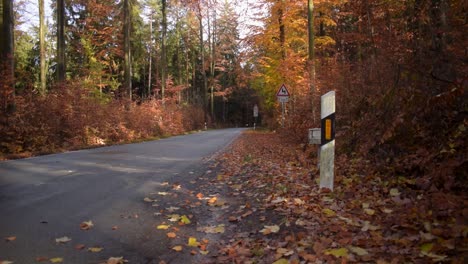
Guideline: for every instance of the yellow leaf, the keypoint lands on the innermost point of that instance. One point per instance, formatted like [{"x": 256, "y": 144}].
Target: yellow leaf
[
  {"x": 369, "y": 211},
  {"x": 192, "y": 242},
  {"x": 358, "y": 251},
  {"x": 95, "y": 249},
  {"x": 204, "y": 252},
  {"x": 426, "y": 247},
  {"x": 394, "y": 192},
  {"x": 177, "y": 248},
  {"x": 163, "y": 227},
  {"x": 281, "y": 261},
  {"x": 339, "y": 252},
  {"x": 56, "y": 260},
  {"x": 329, "y": 212},
  {"x": 184, "y": 219}
]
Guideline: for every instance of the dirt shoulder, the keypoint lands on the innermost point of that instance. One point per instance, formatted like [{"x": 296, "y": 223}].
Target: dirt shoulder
[
  {"x": 274, "y": 212},
  {"x": 258, "y": 202}
]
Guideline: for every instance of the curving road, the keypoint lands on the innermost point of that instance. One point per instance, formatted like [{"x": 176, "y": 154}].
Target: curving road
[{"x": 47, "y": 197}]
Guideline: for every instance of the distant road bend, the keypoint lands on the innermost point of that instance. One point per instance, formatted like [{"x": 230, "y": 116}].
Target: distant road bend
[{"x": 47, "y": 197}]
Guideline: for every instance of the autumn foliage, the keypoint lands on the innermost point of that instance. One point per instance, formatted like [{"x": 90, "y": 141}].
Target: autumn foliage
[
  {"x": 398, "y": 71},
  {"x": 69, "y": 118}
]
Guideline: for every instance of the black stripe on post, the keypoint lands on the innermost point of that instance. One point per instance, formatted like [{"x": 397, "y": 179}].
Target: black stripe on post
[{"x": 327, "y": 133}]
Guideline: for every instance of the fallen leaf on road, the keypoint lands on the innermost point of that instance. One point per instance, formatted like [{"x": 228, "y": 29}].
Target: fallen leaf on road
[
  {"x": 149, "y": 200},
  {"x": 192, "y": 242},
  {"x": 177, "y": 248},
  {"x": 163, "y": 193},
  {"x": 212, "y": 200},
  {"x": 80, "y": 247},
  {"x": 174, "y": 217},
  {"x": 56, "y": 260},
  {"x": 63, "y": 239},
  {"x": 116, "y": 260},
  {"x": 270, "y": 229},
  {"x": 10, "y": 238},
  {"x": 199, "y": 195},
  {"x": 95, "y": 249},
  {"x": 171, "y": 235},
  {"x": 212, "y": 229},
  {"x": 41, "y": 259},
  {"x": 172, "y": 209},
  {"x": 6, "y": 262},
  {"x": 86, "y": 225},
  {"x": 115, "y": 227},
  {"x": 163, "y": 227},
  {"x": 185, "y": 220}
]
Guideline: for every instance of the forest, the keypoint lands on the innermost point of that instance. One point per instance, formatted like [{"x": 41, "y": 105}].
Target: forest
[
  {"x": 103, "y": 72},
  {"x": 78, "y": 74}
]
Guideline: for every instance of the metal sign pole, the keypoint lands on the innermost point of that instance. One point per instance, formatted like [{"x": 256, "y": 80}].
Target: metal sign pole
[{"x": 282, "y": 114}]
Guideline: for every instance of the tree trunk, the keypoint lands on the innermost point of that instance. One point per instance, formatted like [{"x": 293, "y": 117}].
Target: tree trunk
[
  {"x": 7, "y": 66},
  {"x": 61, "y": 66},
  {"x": 127, "y": 50},
  {"x": 202, "y": 55},
  {"x": 311, "y": 62},
  {"x": 150, "y": 49},
  {"x": 282, "y": 31},
  {"x": 163, "y": 49},
  {"x": 42, "y": 49}
]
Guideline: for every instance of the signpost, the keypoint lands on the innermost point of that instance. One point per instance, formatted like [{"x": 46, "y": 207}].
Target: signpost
[
  {"x": 283, "y": 97},
  {"x": 326, "y": 139},
  {"x": 327, "y": 146},
  {"x": 255, "y": 115}
]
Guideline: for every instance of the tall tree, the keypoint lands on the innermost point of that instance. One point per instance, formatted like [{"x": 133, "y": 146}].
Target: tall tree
[
  {"x": 61, "y": 66},
  {"x": 311, "y": 57},
  {"x": 6, "y": 54},
  {"x": 163, "y": 48},
  {"x": 42, "y": 48},
  {"x": 127, "y": 48}
]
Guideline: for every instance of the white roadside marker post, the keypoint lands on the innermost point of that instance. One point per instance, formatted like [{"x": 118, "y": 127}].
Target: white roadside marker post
[{"x": 327, "y": 146}]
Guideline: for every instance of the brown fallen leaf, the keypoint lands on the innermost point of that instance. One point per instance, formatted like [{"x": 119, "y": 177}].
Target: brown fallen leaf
[
  {"x": 115, "y": 227},
  {"x": 80, "y": 247},
  {"x": 41, "y": 259},
  {"x": 10, "y": 238},
  {"x": 171, "y": 235}
]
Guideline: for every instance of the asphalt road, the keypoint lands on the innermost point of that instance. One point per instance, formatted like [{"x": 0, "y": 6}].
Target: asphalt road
[{"x": 47, "y": 197}]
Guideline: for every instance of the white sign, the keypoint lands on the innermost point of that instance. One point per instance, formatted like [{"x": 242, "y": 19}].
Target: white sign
[{"x": 255, "y": 111}]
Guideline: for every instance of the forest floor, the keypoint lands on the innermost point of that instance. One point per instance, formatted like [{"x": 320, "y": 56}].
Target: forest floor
[{"x": 266, "y": 207}]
